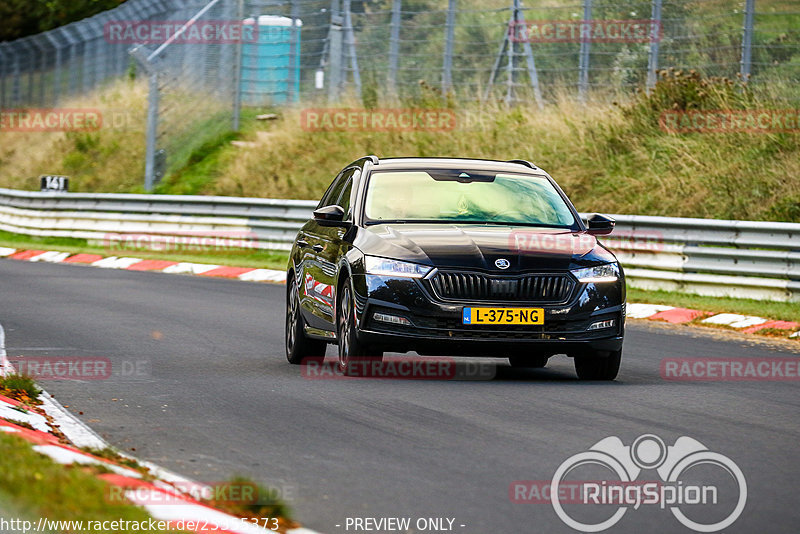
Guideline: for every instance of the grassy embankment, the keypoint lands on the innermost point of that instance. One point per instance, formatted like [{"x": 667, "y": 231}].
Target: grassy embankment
[{"x": 609, "y": 158}]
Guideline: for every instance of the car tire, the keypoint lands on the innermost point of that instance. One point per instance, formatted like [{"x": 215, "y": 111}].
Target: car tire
[
  {"x": 533, "y": 361},
  {"x": 349, "y": 346},
  {"x": 298, "y": 345},
  {"x": 598, "y": 365}
]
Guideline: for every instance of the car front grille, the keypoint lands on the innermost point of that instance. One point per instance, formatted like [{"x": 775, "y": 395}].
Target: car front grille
[{"x": 485, "y": 287}]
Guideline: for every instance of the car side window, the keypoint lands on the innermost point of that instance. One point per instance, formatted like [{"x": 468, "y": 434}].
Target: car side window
[
  {"x": 334, "y": 190},
  {"x": 347, "y": 192}
]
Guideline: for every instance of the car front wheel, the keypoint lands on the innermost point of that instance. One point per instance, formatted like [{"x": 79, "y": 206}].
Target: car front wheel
[
  {"x": 598, "y": 365},
  {"x": 350, "y": 348},
  {"x": 298, "y": 346}
]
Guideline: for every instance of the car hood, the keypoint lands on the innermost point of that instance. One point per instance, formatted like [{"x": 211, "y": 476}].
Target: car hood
[{"x": 479, "y": 247}]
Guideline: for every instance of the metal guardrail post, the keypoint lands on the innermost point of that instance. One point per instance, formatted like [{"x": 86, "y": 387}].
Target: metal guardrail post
[{"x": 747, "y": 39}]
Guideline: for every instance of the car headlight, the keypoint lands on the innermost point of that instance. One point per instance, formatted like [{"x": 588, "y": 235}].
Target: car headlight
[
  {"x": 599, "y": 274},
  {"x": 396, "y": 268}
]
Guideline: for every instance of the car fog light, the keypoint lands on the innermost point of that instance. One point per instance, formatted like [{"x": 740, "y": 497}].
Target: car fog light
[
  {"x": 391, "y": 319},
  {"x": 601, "y": 324}
]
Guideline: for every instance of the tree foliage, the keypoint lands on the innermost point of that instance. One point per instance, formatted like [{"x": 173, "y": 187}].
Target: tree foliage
[{"x": 27, "y": 17}]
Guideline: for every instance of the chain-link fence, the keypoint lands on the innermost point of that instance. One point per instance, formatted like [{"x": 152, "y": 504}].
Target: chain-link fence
[{"x": 209, "y": 59}]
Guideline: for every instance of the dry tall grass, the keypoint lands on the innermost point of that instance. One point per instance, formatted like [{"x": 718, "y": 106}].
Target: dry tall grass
[
  {"x": 608, "y": 158},
  {"x": 110, "y": 159}
]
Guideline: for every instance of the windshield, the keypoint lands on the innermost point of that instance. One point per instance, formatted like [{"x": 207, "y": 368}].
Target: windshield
[{"x": 465, "y": 196}]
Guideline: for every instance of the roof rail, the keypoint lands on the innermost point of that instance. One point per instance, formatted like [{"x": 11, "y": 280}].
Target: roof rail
[
  {"x": 364, "y": 159},
  {"x": 522, "y": 162}
]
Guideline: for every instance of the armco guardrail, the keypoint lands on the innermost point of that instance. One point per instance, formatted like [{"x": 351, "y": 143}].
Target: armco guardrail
[
  {"x": 270, "y": 223},
  {"x": 706, "y": 256}
]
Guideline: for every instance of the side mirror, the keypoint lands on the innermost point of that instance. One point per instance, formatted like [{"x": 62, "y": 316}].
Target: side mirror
[
  {"x": 329, "y": 215},
  {"x": 600, "y": 224}
]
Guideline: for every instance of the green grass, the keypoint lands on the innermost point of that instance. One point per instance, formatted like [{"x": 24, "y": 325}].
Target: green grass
[
  {"x": 265, "y": 503},
  {"x": 244, "y": 258},
  {"x": 785, "y": 311},
  {"x": 19, "y": 387},
  {"x": 39, "y": 487},
  {"x": 20, "y": 384},
  {"x": 202, "y": 167}
]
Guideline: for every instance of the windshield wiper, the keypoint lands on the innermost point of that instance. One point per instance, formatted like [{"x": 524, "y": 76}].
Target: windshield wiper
[
  {"x": 456, "y": 222},
  {"x": 515, "y": 223}
]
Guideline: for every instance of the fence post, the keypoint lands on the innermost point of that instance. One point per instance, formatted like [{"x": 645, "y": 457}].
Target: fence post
[
  {"x": 97, "y": 55},
  {"x": 85, "y": 59},
  {"x": 3, "y": 71},
  {"x": 57, "y": 71},
  {"x": 394, "y": 45},
  {"x": 519, "y": 22},
  {"x": 237, "y": 66},
  {"x": 447, "y": 73},
  {"x": 15, "y": 81},
  {"x": 292, "y": 82},
  {"x": 29, "y": 69},
  {"x": 747, "y": 38},
  {"x": 152, "y": 132},
  {"x": 335, "y": 53},
  {"x": 655, "y": 38},
  {"x": 351, "y": 46},
  {"x": 72, "y": 64},
  {"x": 39, "y": 62},
  {"x": 510, "y": 51},
  {"x": 583, "y": 62}
]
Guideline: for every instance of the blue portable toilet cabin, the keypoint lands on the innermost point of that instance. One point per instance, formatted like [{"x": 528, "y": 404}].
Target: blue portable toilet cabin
[{"x": 266, "y": 69}]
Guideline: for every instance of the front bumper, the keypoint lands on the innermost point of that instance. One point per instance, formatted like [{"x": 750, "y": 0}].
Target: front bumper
[{"x": 436, "y": 327}]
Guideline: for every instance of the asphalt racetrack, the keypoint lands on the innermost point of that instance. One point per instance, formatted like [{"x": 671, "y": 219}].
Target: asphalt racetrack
[{"x": 201, "y": 386}]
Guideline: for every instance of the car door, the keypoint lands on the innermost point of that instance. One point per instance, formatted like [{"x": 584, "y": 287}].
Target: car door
[
  {"x": 308, "y": 244},
  {"x": 320, "y": 266}
]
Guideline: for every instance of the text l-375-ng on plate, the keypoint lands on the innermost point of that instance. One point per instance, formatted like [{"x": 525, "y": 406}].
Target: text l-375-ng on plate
[{"x": 532, "y": 316}]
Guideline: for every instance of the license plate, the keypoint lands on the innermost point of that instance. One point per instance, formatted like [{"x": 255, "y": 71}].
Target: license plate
[{"x": 503, "y": 316}]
